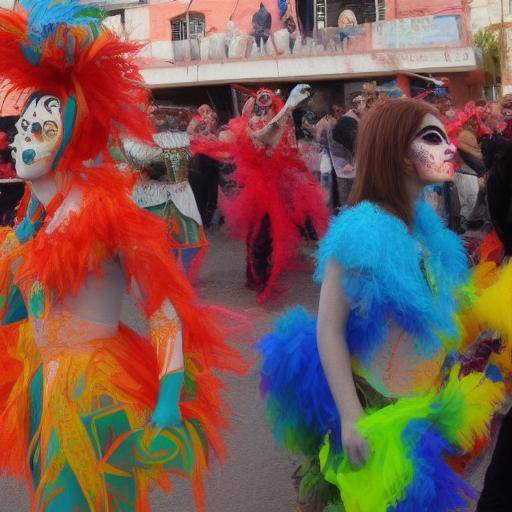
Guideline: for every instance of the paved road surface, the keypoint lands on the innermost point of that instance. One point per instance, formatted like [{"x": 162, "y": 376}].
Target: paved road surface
[{"x": 256, "y": 477}]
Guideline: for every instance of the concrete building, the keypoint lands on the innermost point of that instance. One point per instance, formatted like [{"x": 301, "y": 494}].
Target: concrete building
[
  {"x": 490, "y": 13},
  {"x": 198, "y": 48},
  {"x": 207, "y": 42}
]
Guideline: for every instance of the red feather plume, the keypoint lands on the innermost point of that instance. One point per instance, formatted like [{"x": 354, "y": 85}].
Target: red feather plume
[{"x": 112, "y": 100}]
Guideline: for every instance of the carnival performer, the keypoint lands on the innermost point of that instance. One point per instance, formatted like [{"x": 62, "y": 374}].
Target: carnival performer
[
  {"x": 90, "y": 412},
  {"x": 367, "y": 392},
  {"x": 164, "y": 190},
  {"x": 279, "y": 202}
]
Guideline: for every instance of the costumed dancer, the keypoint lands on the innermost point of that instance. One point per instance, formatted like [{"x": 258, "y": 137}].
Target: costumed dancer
[
  {"x": 279, "y": 203},
  {"x": 92, "y": 413},
  {"x": 164, "y": 190},
  {"x": 367, "y": 392}
]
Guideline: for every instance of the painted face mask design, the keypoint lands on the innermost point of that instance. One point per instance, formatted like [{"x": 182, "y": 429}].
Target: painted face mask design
[
  {"x": 432, "y": 153},
  {"x": 39, "y": 136}
]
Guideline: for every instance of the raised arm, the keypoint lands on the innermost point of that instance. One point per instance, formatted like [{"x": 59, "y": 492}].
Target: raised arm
[
  {"x": 271, "y": 133},
  {"x": 333, "y": 314}
]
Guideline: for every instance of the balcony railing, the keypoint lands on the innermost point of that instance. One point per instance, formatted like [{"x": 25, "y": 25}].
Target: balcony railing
[{"x": 387, "y": 36}]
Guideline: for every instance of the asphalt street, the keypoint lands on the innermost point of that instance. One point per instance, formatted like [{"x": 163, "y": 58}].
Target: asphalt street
[{"x": 257, "y": 476}]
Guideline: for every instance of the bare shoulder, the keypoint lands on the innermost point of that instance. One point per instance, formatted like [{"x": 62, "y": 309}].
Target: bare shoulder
[{"x": 72, "y": 203}]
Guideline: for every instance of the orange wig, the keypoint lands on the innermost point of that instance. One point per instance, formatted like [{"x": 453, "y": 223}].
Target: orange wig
[{"x": 60, "y": 48}]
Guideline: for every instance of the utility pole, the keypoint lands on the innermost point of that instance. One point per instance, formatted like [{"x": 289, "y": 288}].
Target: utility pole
[{"x": 503, "y": 53}]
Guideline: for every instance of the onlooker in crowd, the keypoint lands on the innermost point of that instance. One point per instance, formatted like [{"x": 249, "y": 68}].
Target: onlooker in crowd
[
  {"x": 342, "y": 140},
  {"x": 289, "y": 19},
  {"x": 469, "y": 178},
  {"x": 261, "y": 24},
  {"x": 344, "y": 135},
  {"x": 444, "y": 104},
  {"x": 337, "y": 111},
  {"x": 322, "y": 134},
  {"x": 305, "y": 130},
  {"x": 204, "y": 171},
  {"x": 347, "y": 22},
  {"x": 492, "y": 117},
  {"x": 324, "y": 137}
]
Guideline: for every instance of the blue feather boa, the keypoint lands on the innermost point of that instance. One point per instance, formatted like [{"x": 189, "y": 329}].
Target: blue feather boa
[{"x": 383, "y": 278}]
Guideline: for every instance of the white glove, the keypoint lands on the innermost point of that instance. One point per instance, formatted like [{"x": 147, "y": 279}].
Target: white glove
[{"x": 300, "y": 93}]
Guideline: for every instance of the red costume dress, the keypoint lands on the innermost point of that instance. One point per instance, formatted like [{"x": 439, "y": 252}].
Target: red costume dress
[
  {"x": 278, "y": 202},
  {"x": 91, "y": 413}
]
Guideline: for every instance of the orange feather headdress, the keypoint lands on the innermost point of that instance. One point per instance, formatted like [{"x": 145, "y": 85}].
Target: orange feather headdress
[{"x": 59, "y": 47}]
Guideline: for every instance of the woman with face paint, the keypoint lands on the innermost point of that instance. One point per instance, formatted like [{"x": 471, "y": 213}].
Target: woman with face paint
[
  {"x": 366, "y": 391},
  {"x": 92, "y": 413}
]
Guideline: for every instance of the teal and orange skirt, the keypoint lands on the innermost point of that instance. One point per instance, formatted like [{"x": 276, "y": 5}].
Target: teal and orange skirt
[{"x": 75, "y": 423}]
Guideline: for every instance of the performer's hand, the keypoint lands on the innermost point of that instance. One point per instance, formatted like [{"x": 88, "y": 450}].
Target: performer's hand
[
  {"x": 354, "y": 445},
  {"x": 166, "y": 416},
  {"x": 299, "y": 93},
  {"x": 167, "y": 411}
]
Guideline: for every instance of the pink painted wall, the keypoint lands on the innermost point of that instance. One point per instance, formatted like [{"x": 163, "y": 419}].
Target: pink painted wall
[
  {"x": 411, "y": 8},
  {"x": 245, "y": 10},
  {"x": 216, "y": 13}
]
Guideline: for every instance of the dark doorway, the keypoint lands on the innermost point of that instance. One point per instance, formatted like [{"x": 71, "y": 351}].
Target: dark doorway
[{"x": 306, "y": 14}]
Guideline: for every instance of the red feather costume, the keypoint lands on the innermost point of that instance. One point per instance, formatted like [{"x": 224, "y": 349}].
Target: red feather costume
[
  {"x": 276, "y": 193},
  {"x": 57, "y": 432}
]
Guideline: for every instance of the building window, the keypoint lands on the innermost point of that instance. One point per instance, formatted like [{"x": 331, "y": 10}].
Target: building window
[
  {"x": 115, "y": 21},
  {"x": 195, "y": 27},
  {"x": 321, "y": 13}
]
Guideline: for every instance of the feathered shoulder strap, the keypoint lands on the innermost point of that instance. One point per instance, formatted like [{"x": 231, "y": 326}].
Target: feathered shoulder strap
[
  {"x": 359, "y": 237},
  {"x": 366, "y": 237}
]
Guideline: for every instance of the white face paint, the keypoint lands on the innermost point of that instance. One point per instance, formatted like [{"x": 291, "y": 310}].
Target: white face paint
[
  {"x": 38, "y": 139},
  {"x": 432, "y": 153}
]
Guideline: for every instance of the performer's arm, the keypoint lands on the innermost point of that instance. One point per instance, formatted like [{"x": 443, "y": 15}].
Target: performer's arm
[
  {"x": 167, "y": 338},
  {"x": 271, "y": 134},
  {"x": 332, "y": 319}
]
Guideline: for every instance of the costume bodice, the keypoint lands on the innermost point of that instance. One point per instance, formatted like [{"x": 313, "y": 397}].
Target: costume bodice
[
  {"x": 92, "y": 313},
  {"x": 404, "y": 286},
  {"x": 61, "y": 317}
]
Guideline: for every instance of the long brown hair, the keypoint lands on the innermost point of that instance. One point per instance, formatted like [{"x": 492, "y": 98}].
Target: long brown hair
[{"x": 383, "y": 139}]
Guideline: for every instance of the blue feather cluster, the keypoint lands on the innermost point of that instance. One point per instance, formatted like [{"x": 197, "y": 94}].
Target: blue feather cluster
[
  {"x": 300, "y": 402},
  {"x": 45, "y": 16},
  {"x": 435, "y": 485},
  {"x": 383, "y": 277}
]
